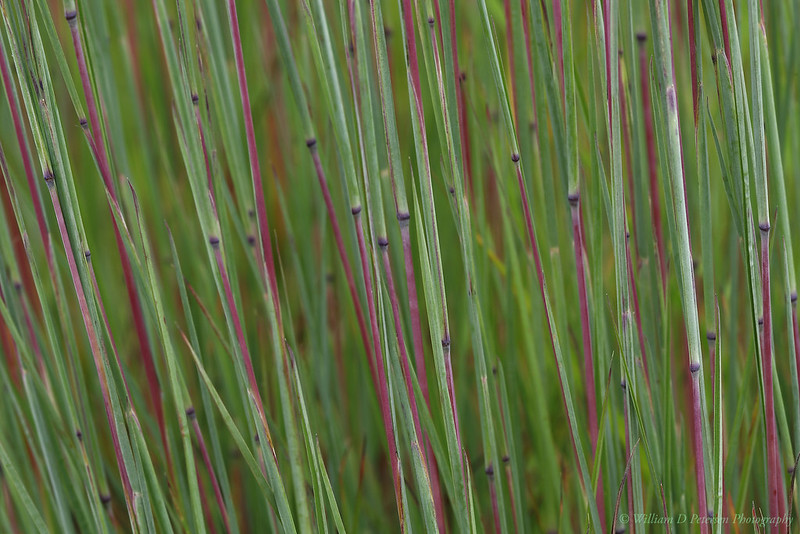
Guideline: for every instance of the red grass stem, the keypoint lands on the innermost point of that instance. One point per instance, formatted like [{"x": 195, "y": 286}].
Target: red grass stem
[
  {"x": 101, "y": 155},
  {"x": 773, "y": 463},
  {"x": 652, "y": 161}
]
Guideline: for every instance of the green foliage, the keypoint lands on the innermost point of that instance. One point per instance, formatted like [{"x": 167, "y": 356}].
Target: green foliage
[{"x": 373, "y": 335}]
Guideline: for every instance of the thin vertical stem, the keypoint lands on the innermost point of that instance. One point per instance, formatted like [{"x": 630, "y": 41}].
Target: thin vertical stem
[
  {"x": 198, "y": 433},
  {"x": 652, "y": 162},
  {"x": 586, "y": 333},
  {"x": 27, "y": 160},
  {"x": 636, "y": 311},
  {"x": 348, "y": 270},
  {"x": 773, "y": 462},
  {"x": 237, "y": 326},
  {"x": 99, "y": 149},
  {"x": 94, "y": 341},
  {"x": 383, "y": 394}
]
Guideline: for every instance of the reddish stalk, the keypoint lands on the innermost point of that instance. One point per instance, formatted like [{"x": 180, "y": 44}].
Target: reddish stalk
[
  {"x": 796, "y": 333},
  {"x": 699, "y": 460},
  {"x": 27, "y": 160},
  {"x": 348, "y": 270},
  {"x": 94, "y": 341},
  {"x": 637, "y": 314},
  {"x": 422, "y": 437},
  {"x": 201, "y": 443},
  {"x": 416, "y": 86},
  {"x": 419, "y": 361},
  {"x": 652, "y": 162},
  {"x": 628, "y": 473},
  {"x": 18, "y": 244},
  {"x": 237, "y": 326},
  {"x": 586, "y": 333},
  {"x": 383, "y": 394},
  {"x": 726, "y": 38},
  {"x": 773, "y": 464},
  {"x": 252, "y": 151},
  {"x": 198, "y": 120},
  {"x": 201, "y": 487},
  {"x": 466, "y": 154},
  {"x": 540, "y": 277},
  {"x": 387, "y": 268},
  {"x": 101, "y": 156}
]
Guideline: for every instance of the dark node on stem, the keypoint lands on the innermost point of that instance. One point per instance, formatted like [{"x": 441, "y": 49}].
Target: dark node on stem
[
  {"x": 351, "y": 49},
  {"x": 329, "y": 278},
  {"x": 190, "y": 413},
  {"x": 105, "y": 499},
  {"x": 445, "y": 342},
  {"x": 355, "y": 210},
  {"x": 714, "y": 59},
  {"x": 70, "y": 15},
  {"x": 619, "y": 530},
  {"x": 311, "y": 142},
  {"x": 463, "y": 76},
  {"x": 494, "y": 370},
  {"x": 430, "y": 21},
  {"x": 694, "y": 367},
  {"x": 403, "y": 216},
  {"x": 79, "y": 434},
  {"x": 87, "y": 254},
  {"x": 506, "y": 458},
  {"x": 17, "y": 286},
  {"x": 258, "y": 440},
  {"x": 619, "y": 52},
  {"x": 764, "y": 226},
  {"x": 387, "y": 32},
  {"x": 790, "y": 470},
  {"x": 214, "y": 241},
  {"x": 627, "y": 234},
  {"x": 793, "y": 297},
  {"x": 710, "y": 513},
  {"x": 515, "y": 157},
  {"x": 195, "y": 98},
  {"x": 711, "y": 336},
  {"x": 383, "y": 243},
  {"x": 623, "y": 385},
  {"x": 489, "y": 471},
  {"x": 251, "y": 240},
  {"x": 761, "y": 321},
  {"x": 49, "y": 177},
  {"x": 251, "y": 213},
  {"x": 452, "y": 190},
  {"x": 641, "y": 37},
  {"x": 84, "y": 123},
  {"x": 573, "y": 198}
]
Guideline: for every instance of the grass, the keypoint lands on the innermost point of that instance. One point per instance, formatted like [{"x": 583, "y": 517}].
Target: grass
[{"x": 398, "y": 266}]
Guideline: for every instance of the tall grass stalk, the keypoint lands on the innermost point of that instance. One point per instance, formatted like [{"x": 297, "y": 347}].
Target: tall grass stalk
[
  {"x": 291, "y": 390},
  {"x": 101, "y": 155},
  {"x": 663, "y": 50}
]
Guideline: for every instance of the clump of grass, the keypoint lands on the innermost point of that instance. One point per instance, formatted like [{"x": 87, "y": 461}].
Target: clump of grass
[{"x": 437, "y": 364}]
